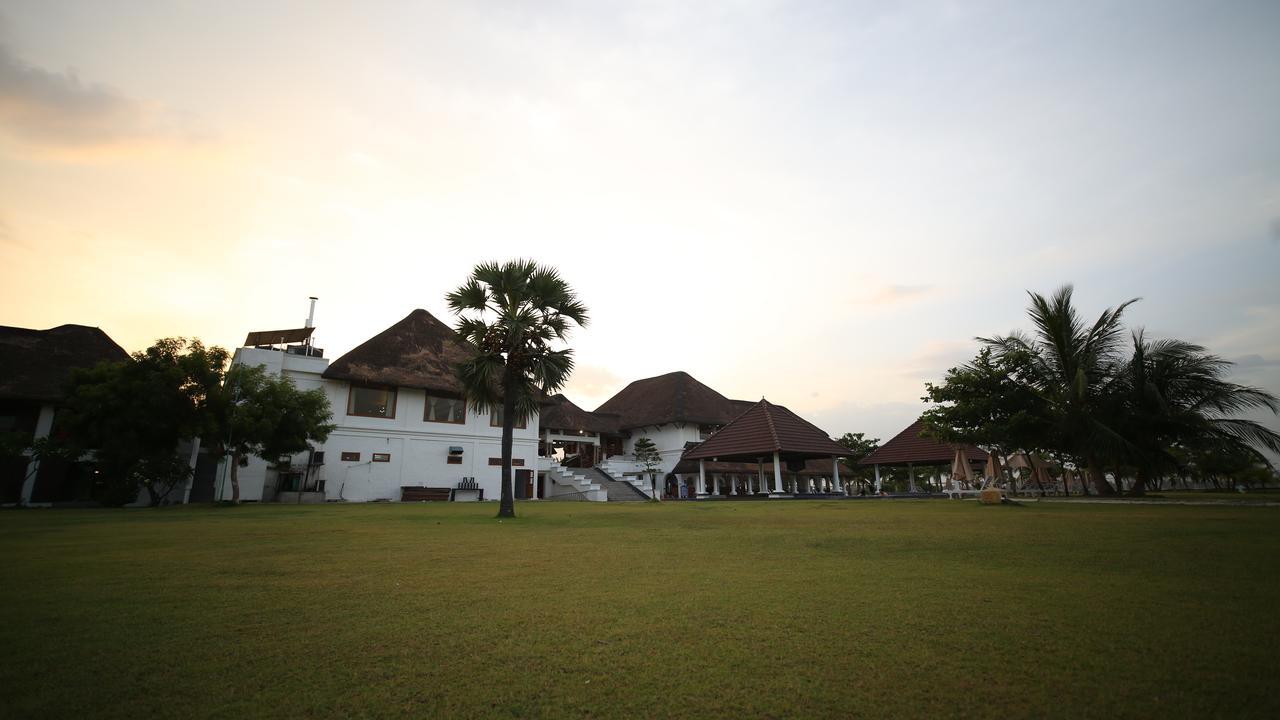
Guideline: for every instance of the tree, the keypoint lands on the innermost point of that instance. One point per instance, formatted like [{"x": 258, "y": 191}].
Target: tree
[
  {"x": 1070, "y": 366},
  {"x": 510, "y": 315},
  {"x": 646, "y": 453},
  {"x": 1174, "y": 394},
  {"x": 267, "y": 416},
  {"x": 860, "y": 446},
  {"x": 131, "y": 415}
]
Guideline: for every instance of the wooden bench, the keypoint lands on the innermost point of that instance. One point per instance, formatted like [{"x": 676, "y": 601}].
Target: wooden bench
[{"x": 415, "y": 493}]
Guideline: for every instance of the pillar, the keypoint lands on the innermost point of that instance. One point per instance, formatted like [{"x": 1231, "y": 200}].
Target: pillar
[
  {"x": 733, "y": 484},
  {"x": 835, "y": 474},
  {"x": 716, "y": 479},
  {"x": 911, "y": 477},
  {"x": 777, "y": 474},
  {"x": 760, "y": 469},
  {"x": 44, "y": 425},
  {"x": 877, "y": 478},
  {"x": 702, "y": 479}
]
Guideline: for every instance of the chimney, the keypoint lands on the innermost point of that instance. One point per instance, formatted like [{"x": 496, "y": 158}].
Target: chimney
[{"x": 311, "y": 315}]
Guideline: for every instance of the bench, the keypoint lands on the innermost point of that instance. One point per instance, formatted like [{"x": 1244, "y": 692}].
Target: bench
[{"x": 416, "y": 493}]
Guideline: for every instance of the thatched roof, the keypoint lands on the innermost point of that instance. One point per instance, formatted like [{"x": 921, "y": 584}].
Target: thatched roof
[
  {"x": 674, "y": 397},
  {"x": 560, "y": 413},
  {"x": 909, "y": 447},
  {"x": 37, "y": 364},
  {"x": 763, "y": 430},
  {"x": 417, "y": 352}
]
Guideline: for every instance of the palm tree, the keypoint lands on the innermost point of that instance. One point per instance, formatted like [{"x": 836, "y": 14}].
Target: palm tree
[
  {"x": 510, "y": 314},
  {"x": 1072, "y": 368},
  {"x": 1173, "y": 394}
]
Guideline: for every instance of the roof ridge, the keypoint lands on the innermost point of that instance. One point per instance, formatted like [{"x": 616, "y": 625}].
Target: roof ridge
[{"x": 768, "y": 418}]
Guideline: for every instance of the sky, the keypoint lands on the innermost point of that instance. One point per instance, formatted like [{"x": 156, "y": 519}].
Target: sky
[{"x": 819, "y": 203}]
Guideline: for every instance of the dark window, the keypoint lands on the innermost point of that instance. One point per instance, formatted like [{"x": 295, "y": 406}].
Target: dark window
[
  {"x": 372, "y": 401},
  {"x": 445, "y": 410},
  {"x": 495, "y": 420},
  {"x": 455, "y": 460},
  {"x": 350, "y": 457},
  {"x": 382, "y": 457}
]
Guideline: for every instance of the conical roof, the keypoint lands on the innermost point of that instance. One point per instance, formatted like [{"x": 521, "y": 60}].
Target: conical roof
[
  {"x": 674, "y": 397},
  {"x": 763, "y": 430},
  {"x": 909, "y": 446},
  {"x": 417, "y": 352}
]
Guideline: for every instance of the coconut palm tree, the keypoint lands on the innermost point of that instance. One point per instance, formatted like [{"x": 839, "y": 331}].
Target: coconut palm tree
[
  {"x": 511, "y": 314},
  {"x": 1173, "y": 394},
  {"x": 1072, "y": 366}
]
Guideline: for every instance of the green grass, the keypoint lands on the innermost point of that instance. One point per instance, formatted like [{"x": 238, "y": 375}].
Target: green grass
[{"x": 769, "y": 609}]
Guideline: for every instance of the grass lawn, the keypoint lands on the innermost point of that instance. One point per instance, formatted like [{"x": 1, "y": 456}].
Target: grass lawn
[{"x": 724, "y": 609}]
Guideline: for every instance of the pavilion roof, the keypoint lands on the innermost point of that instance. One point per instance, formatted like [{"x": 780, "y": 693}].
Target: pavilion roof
[
  {"x": 764, "y": 429},
  {"x": 37, "y": 364},
  {"x": 671, "y": 398},
  {"x": 910, "y": 447},
  {"x": 561, "y": 414},
  {"x": 417, "y": 352}
]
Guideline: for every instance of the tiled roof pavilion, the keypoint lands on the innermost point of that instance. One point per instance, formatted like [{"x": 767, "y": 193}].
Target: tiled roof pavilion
[
  {"x": 910, "y": 448},
  {"x": 766, "y": 432}
]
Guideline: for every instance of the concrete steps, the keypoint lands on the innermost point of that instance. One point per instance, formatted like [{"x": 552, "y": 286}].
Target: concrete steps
[{"x": 617, "y": 490}]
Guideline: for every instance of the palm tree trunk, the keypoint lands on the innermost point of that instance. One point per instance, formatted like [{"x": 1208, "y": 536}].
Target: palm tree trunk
[
  {"x": 1098, "y": 477},
  {"x": 507, "y": 508},
  {"x": 1140, "y": 480}
]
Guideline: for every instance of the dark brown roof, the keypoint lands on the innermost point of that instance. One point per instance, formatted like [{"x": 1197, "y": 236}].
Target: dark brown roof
[
  {"x": 36, "y": 364},
  {"x": 278, "y": 337},
  {"x": 561, "y": 414},
  {"x": 417, "y": 352},
  {"x": 763, "y": 430},
  {"x": 909, "y": 446},
  {"x": 674, "y": 397}
]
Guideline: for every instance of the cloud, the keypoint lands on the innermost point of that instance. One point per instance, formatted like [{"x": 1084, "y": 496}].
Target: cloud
[
  {"x": 890, "y": 294},
  {"x": 1255, "y": 361},
  {"x": 591, "y": 385},
  {"x": 58, "y": 110}
]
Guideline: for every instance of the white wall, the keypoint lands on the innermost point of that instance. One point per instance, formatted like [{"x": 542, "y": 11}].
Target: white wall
[
  {"x": 419, "y": 449},
  {"x": 670, "y": 440}
]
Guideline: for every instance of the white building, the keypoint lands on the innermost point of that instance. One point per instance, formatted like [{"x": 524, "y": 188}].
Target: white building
[
  {"x": 401, "y": 421},
  {"x": 405, "y": 432}
]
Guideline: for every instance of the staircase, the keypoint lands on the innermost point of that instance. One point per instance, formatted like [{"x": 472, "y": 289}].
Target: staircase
[
  {"x": 616, "y": 490},
  {"x": 574, "y": 484}
]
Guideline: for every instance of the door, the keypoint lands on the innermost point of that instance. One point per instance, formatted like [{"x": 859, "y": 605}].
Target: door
[{"x": 524, "y": 483}]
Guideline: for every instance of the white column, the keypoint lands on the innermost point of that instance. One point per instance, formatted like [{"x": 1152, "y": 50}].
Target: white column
[
  {"x": 911, "y": 477},
  {"x": 760, "y": 468},
  {"x": 835, "y": 473},
  {"x": 716, "y": 479},
  {"x": 44, "y": 425},
  {"x": 733, "y": 484},
  {"x": 195, "y": 458},
  {"x": 777, "y": 474},
  {"x": 702, "y": 478},
  {"x": 877, "y": 478}
]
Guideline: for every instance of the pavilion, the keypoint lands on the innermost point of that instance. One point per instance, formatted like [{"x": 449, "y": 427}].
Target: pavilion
[
  {"x": 767, "y": 433},
  {"x": 910, "y": 448}
]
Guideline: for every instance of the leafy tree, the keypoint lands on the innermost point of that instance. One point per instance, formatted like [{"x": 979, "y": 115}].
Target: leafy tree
[
  {"x": 133, "y": 414},
  {"x": 646, "y": 453},
  {"x": 861, "y": 446},
  {"x": 1173, "y": 393},
  {"x": 267, "y": 416},
  {"x": 511, "y": 314},
  {"x": 1070, "y": 365}
]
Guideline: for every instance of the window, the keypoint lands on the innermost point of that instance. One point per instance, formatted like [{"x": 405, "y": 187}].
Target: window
[
  {"x": 350, "y": 457},
  {"x": 372, "y": 401},
  {"x": 445, "y": 410},
  {"x": 382, "y": 457},
  {"x": 495, "y": 420},
  {"x": 515, "y": 462},
  {"x": 455, "y": 460}
]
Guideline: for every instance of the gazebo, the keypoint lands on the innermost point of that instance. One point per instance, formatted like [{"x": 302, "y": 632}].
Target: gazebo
[
  {"x": 767, "y": 433},
  {"x": 909, "y": 448}
]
